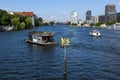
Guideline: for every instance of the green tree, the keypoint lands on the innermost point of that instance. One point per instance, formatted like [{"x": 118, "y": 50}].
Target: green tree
[
  {"x": 22, "y": 18},
  {"x": 2, "y": 12},
  {"x": 91, "y": 24},
  {"x": 15, "y": 22},
  {"x": 74, "y": 24},
  {"x": 22, "y": 26},
  {"x": 28, "y": 22},
  {"x": 38, "y": 21},
  {"x": 5, "y": 20},
  {"x": 98, "y": 24},
  {"x": 46, "y": 23},
  {"x": 52, "y": 23},
  {"x": 111, "y": 23},
  {"x": 68, "y": 23}
]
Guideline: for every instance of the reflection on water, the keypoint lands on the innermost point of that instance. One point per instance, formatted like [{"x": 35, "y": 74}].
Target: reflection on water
[
  {"x": 39, "y": 48},
  {"x": 88, "y": 58}
]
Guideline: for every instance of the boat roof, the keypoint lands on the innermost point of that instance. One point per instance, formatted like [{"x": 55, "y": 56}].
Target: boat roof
[{"x": 40, "y": 33}]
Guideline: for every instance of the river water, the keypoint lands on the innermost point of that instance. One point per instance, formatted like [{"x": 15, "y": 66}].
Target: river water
[{"x": 88, "y": 58}]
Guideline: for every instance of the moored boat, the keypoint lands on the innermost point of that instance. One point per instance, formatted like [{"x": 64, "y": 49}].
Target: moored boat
[
  {"x": 41, "y": 38},
  {"x": 95, "y": 33},
  {"x": 115, "y": 26}
]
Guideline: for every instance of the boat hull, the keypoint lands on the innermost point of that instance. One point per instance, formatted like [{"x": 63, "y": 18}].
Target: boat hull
[{"x": 42, "y": 44}]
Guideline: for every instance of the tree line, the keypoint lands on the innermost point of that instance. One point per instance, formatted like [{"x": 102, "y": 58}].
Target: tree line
[{"x": 18, "y": 22}]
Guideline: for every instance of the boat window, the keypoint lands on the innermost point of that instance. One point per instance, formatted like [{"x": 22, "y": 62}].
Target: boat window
[
  {"x": 35, "y": 37},
  {"x": 43, "y": 38}
]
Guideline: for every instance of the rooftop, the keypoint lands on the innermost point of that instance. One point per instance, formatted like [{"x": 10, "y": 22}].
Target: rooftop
[{"x": 29, "y": 14}]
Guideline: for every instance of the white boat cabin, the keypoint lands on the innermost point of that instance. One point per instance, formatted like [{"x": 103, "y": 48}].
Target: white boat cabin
[{"x": 41, "y": 37}]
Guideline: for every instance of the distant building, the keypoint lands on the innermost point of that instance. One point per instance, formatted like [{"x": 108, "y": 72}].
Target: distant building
[
  {"x": 118, "y": 17},
  {"x": 102, "y": 19},
  {"x": 110, "y": 9},
  {"x": 28, "y": 14},
  {"x": 110, "y": 13},
  {"x": 73, "y": 17},
  {"x": 94, "y": 19},
  {"x": 111, "y": 17},
  {"x": 10, "y": 12},
  {"x": 89, "y": 21},
  {"x": 88, "y": 15}
]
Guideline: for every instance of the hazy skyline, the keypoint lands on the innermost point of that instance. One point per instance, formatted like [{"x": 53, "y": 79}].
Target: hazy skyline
[{"x": 59, "y": 10}]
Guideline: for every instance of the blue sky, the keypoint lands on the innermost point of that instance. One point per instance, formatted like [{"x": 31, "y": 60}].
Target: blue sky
[{"x": 58, "y": 9}]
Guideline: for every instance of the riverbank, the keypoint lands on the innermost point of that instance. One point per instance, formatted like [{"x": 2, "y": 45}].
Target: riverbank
[{"x": 103, "y": 27}]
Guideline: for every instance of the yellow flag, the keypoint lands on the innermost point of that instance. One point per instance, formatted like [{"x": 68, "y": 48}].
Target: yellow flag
[
  {"x": 62, "y": 41},
  {"x": 65, "y": 41}
]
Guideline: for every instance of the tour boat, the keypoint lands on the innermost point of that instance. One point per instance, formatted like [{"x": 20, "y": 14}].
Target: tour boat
[
  {"x": 95, "y": 33},
  {"x": 41, "y": 38}
]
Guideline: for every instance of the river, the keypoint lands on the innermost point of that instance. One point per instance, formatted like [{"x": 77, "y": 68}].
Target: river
[{"x": 88, "y": 58}]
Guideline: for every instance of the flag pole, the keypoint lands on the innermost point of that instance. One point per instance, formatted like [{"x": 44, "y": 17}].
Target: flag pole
[
  {"x": 65, "y": 61},
  {"x": 65, "y": 42}
]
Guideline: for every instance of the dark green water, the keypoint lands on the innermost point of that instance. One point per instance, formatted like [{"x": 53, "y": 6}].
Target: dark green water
[{"x": 88, "y": 58}]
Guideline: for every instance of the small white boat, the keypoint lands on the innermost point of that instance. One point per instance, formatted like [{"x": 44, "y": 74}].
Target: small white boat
[{"x": 95, "y": 33}]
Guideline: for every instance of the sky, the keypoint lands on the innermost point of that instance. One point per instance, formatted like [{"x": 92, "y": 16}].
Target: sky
[{"x": 58, "y": 10}]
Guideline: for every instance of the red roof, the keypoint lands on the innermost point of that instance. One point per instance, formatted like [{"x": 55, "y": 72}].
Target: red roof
[{"x": 25, "y": 13}]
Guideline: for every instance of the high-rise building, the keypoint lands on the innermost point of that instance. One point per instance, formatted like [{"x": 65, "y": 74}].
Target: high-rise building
[
  {"x": 110, "y": 9},
  {"x": 73, "y": 17},
  {"x": 110, "y": 13},
  {"x": 88, "y": 15},
  {"x": 118, "y": 17},
  {"x": 102, "y": 18}
]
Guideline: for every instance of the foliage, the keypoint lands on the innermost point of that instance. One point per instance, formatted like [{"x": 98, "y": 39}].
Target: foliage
[
  {"x": 51, "y": 23},
  {"x": 5, "y": 19},
  {"x": 111, "y": 23},
  {"x": 82, "y": 24},
  {"x": 46, "y": 24},
  {"x": 74, "y": 24},
  {"x": 18, "y": 21},
  {"x": 28, "y": 22},
  {"x": 68, "y": 23},
  {"x": 15, "y": 22},
  {"x": 91, "y": 24},
  {"x": 98, "y": 24},
  {"x": 38, "y": 21},
  {"x": 22, "y": 26}
]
